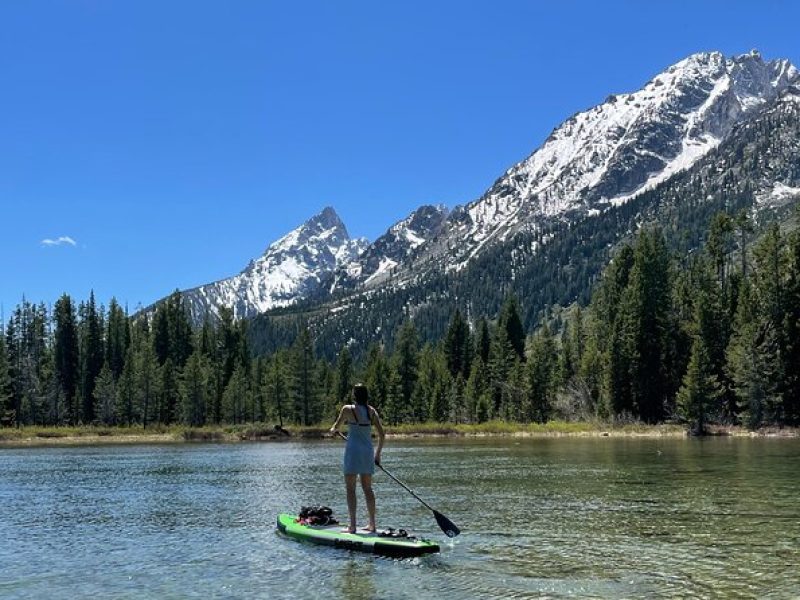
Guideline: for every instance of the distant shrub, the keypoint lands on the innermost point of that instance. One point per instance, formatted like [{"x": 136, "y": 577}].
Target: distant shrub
[{"x": 203, "y": 435}]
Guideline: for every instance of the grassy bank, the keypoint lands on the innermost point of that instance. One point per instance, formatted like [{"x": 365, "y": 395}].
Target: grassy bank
[{"x": 88, "y": 435}]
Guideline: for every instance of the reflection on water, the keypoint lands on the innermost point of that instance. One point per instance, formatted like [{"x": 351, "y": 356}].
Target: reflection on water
[
  {"x": 356, "y": 579},
  {"x": 605, "y": 518}
]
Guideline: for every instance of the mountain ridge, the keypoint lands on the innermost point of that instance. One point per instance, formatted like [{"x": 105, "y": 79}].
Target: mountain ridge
[
  {"x": 596, "y": 160},
  {"x": 756, "y": 169}
]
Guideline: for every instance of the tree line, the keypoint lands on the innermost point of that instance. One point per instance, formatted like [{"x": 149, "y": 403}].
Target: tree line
[{"x": 710, "y": 338}]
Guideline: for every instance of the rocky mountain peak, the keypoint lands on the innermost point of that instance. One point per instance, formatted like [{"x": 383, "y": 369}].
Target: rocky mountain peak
[
  {"x": 392, "y": 249},
  {"x": 291, "y": 268}
]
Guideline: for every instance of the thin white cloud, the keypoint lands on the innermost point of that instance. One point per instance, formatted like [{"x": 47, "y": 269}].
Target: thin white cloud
[{"x": 60, "y": 241}]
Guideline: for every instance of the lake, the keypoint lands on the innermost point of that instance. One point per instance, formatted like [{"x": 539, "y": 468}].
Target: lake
[{"x": 550, "y": 518}]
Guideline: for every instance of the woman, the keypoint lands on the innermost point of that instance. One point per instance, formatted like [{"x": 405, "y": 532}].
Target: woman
[{"x": 359, "y": 457}]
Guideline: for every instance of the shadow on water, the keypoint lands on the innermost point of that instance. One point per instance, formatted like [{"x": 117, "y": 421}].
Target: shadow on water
[{"x": 355, "y": 579}]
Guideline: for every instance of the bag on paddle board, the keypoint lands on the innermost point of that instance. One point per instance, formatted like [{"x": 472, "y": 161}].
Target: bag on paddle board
[{"x": 316, "y": 515}]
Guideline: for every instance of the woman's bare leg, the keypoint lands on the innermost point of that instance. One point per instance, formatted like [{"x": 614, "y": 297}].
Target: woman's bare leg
[
  {"x": 369, "y": 495},
  {"x": 350, "y": 483}
]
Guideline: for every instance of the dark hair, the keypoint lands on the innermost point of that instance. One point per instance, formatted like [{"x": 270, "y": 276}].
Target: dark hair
[{"x": 360, "y": 394}]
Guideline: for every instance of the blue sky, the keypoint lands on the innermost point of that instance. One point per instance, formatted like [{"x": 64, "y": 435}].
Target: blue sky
[{"x": 171, "y": 142}]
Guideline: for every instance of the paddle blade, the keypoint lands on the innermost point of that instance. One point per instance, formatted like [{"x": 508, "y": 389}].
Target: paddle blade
[{"x": 446, "y": 525}]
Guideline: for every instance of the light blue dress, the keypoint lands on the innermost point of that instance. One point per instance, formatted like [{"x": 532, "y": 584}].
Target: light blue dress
[{"x": 359, "y": 456}]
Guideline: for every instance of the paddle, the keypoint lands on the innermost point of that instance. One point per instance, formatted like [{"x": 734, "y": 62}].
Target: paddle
[{"x": 446, "y": 525}]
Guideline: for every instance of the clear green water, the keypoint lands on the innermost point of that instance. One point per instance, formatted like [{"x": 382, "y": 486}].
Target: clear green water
[{"x": 590, "y": 518}]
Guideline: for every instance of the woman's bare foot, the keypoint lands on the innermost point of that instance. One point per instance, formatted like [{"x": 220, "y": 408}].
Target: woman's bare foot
[
  {"x": 369, "y": 528},
  {"x": 348, "y": 530}
]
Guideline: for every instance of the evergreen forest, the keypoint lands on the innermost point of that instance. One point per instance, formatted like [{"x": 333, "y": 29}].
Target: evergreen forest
[{"x": 705, "y": 338}]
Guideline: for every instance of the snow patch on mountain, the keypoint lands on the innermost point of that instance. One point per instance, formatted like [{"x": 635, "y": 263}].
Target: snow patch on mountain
[
  {"x": 384, "y": 267},
  {"x": 779, "y": 194},
  {"x": 290, "y": 269}
]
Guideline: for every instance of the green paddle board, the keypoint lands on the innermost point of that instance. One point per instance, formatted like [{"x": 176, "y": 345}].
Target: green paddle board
[{"x": 375, "y": 543}]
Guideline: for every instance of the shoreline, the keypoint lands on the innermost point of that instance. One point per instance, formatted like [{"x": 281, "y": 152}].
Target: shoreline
[{"x": 41, "y": 437}]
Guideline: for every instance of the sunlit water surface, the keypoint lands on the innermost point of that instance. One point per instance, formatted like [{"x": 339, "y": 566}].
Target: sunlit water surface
[{"x": 593, "y": 518}]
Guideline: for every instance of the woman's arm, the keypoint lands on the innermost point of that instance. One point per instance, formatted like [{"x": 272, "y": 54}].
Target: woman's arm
[
  {"x": 338, "y": 420},
  {"x": 376, "y": 420}
]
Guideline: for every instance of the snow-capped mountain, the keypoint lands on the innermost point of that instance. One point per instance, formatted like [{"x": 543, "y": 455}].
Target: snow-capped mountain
[
  {"x": 618, "y": 149},
  {"x": 393, "y": 248},
  {"x": 754, "y": 169},
  {"x": 601, "y": 159},
  {"x": 290, "y": 269}
]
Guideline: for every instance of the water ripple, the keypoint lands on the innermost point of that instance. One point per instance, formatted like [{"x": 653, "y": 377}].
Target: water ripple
[{"x": 559, "y": 518}]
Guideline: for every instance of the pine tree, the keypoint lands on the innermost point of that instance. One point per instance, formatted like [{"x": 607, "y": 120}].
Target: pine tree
[
  {"x": 161, "y": 342},
  {"x": 344, "y": 376},
  {"x": 483, "y": 411},
  {"x": 276, "y": 388},
  {"x": 93, "y": 357},
  {"x": 169, "y": 394},
  {"x": 542, "y": 369},
  {"x": 744, "y": 227},
  {"x": 646, "y": 311},
  {"x": 376, "y": 376},
  {"x": 710, "y": 324},
  {"x": 439, "y": 410},
  {"x": 501, "y": 361},
  {"x": 180, "y": 343},
  {"x": 749, "y": 363},
  {"x": 228, "y": 347},
  {"x": 572, "y": 341},
  {"x": 477, "y": 386},
  {"x": 327, "y": 406},
  {"x": 15, "y": 344},
  {"x": 147, "y": 380},
  {"x": 406, "y": 364},
  {"x": 53, "y": 398},
  {"x": 769, "y": 282},
  {"x": 5, "y": 379},
  {"x": 396, "y": 404},
  {"x": 26, "y": 354},
  {"x": 791, "y": 328},
  {"x": 456, "y": 345},
  {"x": 483, "y": 341},
  {"x": 516, "y": 393},
  {"x": 700, "y": 390},
  {"x": 458, "y": 400},
  {"x": 430, "y": 400},
  {"x": 67, "y": 356},
  {"x": 259, "y": 391},
  {"x": 194, "y": 390},
  {"x": 235, "y": 398},
  {"x": 302, "y": 372},
  {"x": 511, "y": 323},
  {"x": 591, "y": 368},
  {"x": 207, "y": 339},
  {"x": 607, "y": 297},
  {"x": 105, "y": 396},
  {"x": 214, "y": 391},
  {"x": 127, "y": 410},
  {"x": 719, "y": 246},
  {"x": 607, "y": 364},
  {"x": 118, "y": 338}
]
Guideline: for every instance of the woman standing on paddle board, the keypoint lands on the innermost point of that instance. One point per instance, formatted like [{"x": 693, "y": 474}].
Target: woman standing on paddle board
[{"x": 360, "y": 457}]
